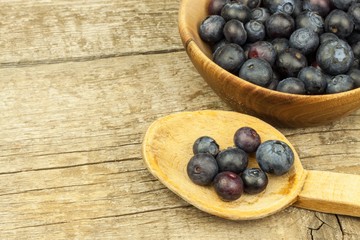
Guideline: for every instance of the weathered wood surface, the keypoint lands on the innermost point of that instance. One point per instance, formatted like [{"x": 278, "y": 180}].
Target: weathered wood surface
[{"x": 80, "y": 83}]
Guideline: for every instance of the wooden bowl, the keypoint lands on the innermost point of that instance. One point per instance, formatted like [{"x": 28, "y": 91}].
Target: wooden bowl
[{"x": 276, "y": 107}]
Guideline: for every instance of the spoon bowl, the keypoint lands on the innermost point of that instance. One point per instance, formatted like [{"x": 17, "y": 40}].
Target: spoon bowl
[{"x": 167, "y": 148}]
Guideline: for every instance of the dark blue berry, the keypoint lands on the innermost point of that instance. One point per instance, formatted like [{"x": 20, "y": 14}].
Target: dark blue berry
[
  {"x": 298, "y": 8},
  {"x": 291, "y": 85},
  {"x": 355, "y": 75},
  {"x": 335, "y": 57},
  {"x": 322, "y": 7},
  {"x": 228, "y": 186},
  {"x": 206, "y": 144},
  {"x": 255, "y": 180},
  {"x": 247, "y": 139},
  {"x": 202, "y": 168},
  {"x": 257, "y": 71},
  {"x": 340, "y": 83},
  {"x": 305, "y": 40},
  {"x": 260, "y": 14},
  {"x": 230, "y": 57},
  {"x": 312, "y": 20},
  {"x": 314, "y": 80},
  {"x": 280, "y": 44},
  {"x": 279, "y": 25},
  {"x": 342, "y": 4},
  {"x": 327, "y": 36},
  {"x": 211, "y": 28},
  {"x": 234, "y": 32},
  {"x": 236, "y": 11},
  {"x": 275, "y": 157},
  {"x": 354, "y": 12},
  {"x": 255, "y": 31},
  {"x": 340, "y": 23},
  {"x": 290, "y": 62},
  {"x": 249, "y": 3},
  {"x": 232, "y": 159},
  {"x": 219, "y": 44},
  {"x": 285, "y": 6},
  {"x": 263, "y": 50},
  {"x": 274, "y": 81},
  {"x": 215, "y": 6},
  {"x": 356, "y": 49}
]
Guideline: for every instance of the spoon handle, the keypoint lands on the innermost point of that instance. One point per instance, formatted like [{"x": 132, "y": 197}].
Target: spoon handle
[{"x": 330, "y": 192}]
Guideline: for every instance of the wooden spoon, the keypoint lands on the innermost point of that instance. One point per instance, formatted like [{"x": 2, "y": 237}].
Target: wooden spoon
[{"x": 167, "y": 148}]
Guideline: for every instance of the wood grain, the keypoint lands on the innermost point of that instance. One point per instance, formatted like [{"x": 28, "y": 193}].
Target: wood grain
[{"x": 72, "y": 120}]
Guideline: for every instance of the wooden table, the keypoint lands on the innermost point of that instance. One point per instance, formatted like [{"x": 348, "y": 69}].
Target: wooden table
[{"x": 81, "y": 81}]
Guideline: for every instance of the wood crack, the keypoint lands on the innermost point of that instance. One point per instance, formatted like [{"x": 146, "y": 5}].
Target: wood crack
[
  {"x": 320, "y": 132},
  {"x": 51, "y": 188},
  {"x": 312, "y": 230},
  {"x": 21, "y": 64},
  {"x": 341, "y": 227},
  {"x": 71, "y": 166},
  {"x": 139, "y": 212},
  {"x": 102, "y": 217}
]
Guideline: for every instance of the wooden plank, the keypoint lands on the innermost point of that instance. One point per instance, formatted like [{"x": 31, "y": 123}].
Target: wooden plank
[
  {"x": 70, "y": 144},
  {"x": 34, "y": 32}
]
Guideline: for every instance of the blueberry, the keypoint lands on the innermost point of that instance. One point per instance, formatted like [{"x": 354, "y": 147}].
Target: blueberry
[
  {"x": 230, "y": 57},
  {"x": 247, "y": 139},
  {"x": 305, "y": 40},
  {"x": 236, "y": 11},
  {"x": 354, "y": 12},
  {"x": 263, "y": 50},
  {"x": 260, "y": 14},
  {"x": 280, "y": 44},
  {"x": 342, "y": 4},
  {"x": 279, "y": 25},
  {"x": 285, "y": 6},
  {"x": 255, "y": 31},
  {"x": 312, "y": 20},
  {"x": 246, "y": 48},
  {"x": 322, "y": 7},
  {"x": 298, "y": 8},
  {"x": 232, "y": 159},
  {"x": 340, "y": 83},
  {"x": 355, "y": 75},
  {"x": 335, "y": 57},
  {"x": 290, "y": 62},
  {"x": 219, "y": 44},
  {"x": 356, "y": 49},
  {"x": 291, "y": 85},
  {"x": 215, "y": 6},
  {"x": 235, "y": 32},
  {"x": 211, "y": 28},
  {"x": 228, "y": 186},
  {"x": 249, "y": 3},
  {"x": 274, "y": 81},
  {"x": 206, "y": 144},
  {"x": 275, "y": 157},
  {"x": 202, "y": 168},
  {"x": 255, "y": 180},
  {"x": 314, "y": 80},
  {"x": 257, "y": 71},
  {"x": 356, "y": 64},
  {"x": 354, "y": 37},
  {"x": 327, "y": 36},
  {"x": 340, "y": 23}
]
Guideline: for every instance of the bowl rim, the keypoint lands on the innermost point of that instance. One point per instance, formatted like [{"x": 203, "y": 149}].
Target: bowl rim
[{"x": 190, "y": 44}]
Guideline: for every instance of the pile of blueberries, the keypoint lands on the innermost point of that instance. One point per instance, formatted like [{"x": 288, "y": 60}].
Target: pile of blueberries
[
  {"x": 227, "y": 170},
  {"x": 293, "y": 46}
]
